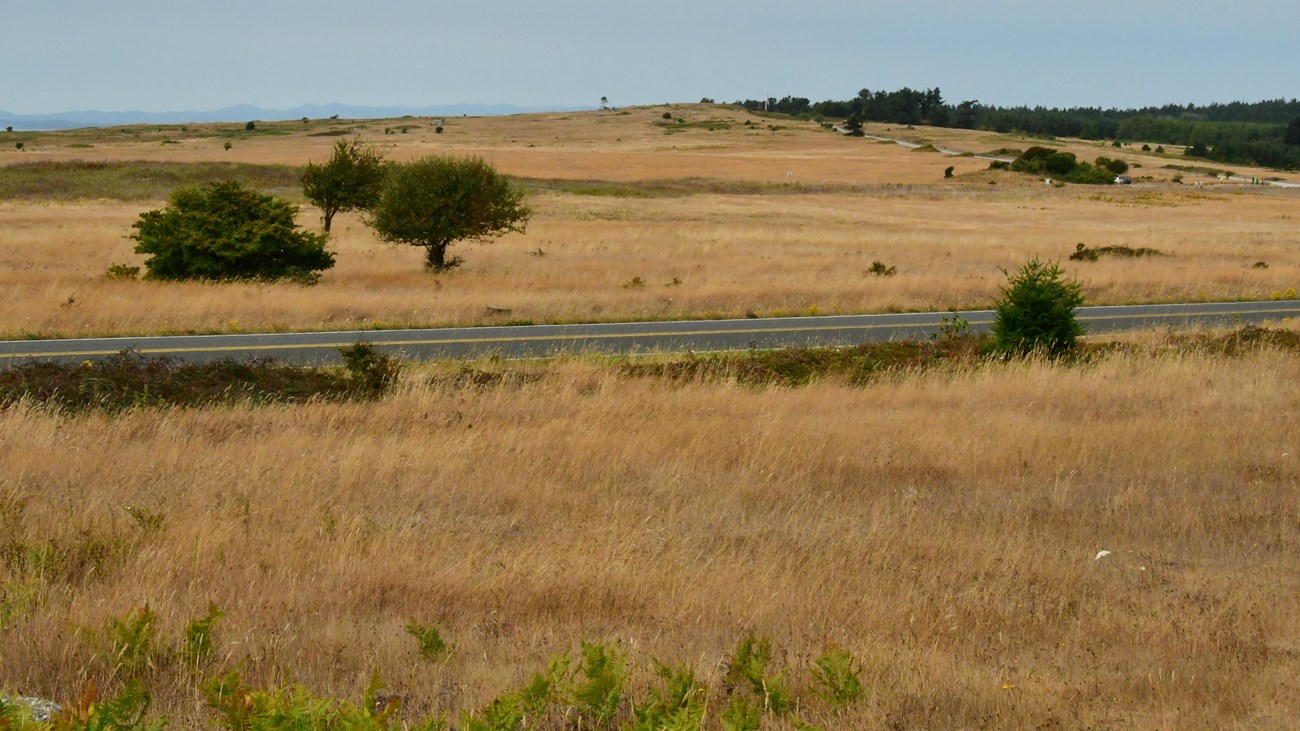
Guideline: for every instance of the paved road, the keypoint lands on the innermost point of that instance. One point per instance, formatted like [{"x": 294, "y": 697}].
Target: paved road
[{"x": 529, "y": 341}]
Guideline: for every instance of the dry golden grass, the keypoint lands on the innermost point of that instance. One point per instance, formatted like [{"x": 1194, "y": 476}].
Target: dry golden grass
[
  {"x": 943, "y": 527},
  {"x": 808, "y": 214}
]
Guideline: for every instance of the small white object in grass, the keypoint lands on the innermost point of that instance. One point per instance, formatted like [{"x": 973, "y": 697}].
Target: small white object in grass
[{"x": 1101, "y": 554}]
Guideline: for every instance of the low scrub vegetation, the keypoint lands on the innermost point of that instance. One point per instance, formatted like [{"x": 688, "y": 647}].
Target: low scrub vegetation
[
  {"x": 1064, "y": 166},
  {"x": 129, "y": 380},
  {"x": 801, "y": 366},
  {"x": 590, "y": 689},
  {"x": 132, "y": 180},
  {"x": 1082, "y": 252}
]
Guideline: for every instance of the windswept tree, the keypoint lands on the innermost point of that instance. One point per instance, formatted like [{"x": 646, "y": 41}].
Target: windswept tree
[
  {"x": 436, "y": 201},
  {"x": 351, "y": 179}
]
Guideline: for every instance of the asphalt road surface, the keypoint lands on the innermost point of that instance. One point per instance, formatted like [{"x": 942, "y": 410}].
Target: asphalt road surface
[{"x": 532, "y": 341}]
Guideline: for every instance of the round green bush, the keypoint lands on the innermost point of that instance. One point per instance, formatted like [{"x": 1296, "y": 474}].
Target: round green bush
[{"x": 227, "y": 231}]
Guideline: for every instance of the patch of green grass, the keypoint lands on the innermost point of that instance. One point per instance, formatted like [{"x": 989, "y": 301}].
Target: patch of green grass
[
  {"x": 673, "y": 126},
  {"x": 134, "y": 180},
  {"x": 1213, "y": 172},
  {"x": 335, "y": 132}
]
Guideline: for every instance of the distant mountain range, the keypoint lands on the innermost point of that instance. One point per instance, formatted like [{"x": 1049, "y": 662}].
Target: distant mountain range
[{"x": 245, "y": 113}]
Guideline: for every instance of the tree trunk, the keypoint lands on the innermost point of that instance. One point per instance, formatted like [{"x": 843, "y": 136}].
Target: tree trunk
[
  {"x": 329, "y": 218},
  {"x": 435, "y": 257}
]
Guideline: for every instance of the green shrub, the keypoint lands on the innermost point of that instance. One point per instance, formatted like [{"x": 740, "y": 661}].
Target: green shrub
[
  {"x": 133, "y": 641},
  {"x": 947, "y": 172},
  {"x": 1118, "y": 167},
  {"x": 429, "y": 640},
  {"x": 881, "y": 269},
  {"x": 241, "y": 708},
  {"x": 599, "y": 683},
  {"x": 370, "y": 370},
  {"x": 226, "y": 231},
  {"x": 1036, "y": 312},
  {"x": 679, "y": 702},
  {"x": 122, "y": 271},
  {"x": 197, "y": 645},
  {"x": 748, "y": 668},
  {"x": 512, "y": 710},
  {"x": 125, "y": 712},
  {"x": 836, "y": 677},
  {"x": 1060, "y": 164},
  {"x": 742, "y": 714}
]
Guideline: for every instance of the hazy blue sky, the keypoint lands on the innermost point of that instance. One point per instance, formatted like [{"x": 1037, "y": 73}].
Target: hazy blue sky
[{"x": 158, "y": 55}]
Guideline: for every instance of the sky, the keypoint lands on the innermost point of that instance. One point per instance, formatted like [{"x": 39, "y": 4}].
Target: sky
[{"x": 170, "y": 55}]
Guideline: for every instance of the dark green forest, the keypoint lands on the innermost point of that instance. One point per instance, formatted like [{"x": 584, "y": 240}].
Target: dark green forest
[{"x": 1263, "y": 133}]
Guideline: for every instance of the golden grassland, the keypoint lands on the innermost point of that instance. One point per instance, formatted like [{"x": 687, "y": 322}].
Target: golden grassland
[
  {"x": 940, "y": 525},
  {"x": 717, "y": 211}
]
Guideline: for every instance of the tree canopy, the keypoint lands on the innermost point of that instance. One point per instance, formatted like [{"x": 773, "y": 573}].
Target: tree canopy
[
  {"x": 1236, "y": 132},
  {"x": 351, "y": 179},
  {"x": 436, "y": 201}
]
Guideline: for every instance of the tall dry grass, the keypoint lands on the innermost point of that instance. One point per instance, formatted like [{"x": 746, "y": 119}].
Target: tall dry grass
[
  {"x": 728, "y": 254},
  {"x": 809, "y": 213},
  {"x": 942, "y": 526}
]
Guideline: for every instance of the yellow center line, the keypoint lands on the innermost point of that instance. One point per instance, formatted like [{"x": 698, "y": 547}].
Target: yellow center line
[
  {"x": 500, "y": 339},
  {"x": 591, "y": 336}
]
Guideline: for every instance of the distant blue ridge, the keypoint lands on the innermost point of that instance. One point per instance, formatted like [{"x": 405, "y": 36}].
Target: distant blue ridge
[{"x": 245, "y": 113}]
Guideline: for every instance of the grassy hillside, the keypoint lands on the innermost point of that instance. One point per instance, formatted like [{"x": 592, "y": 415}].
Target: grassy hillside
[
  {"x": 1107, "y": 543},
  {"x": 711, "y": 212}
]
